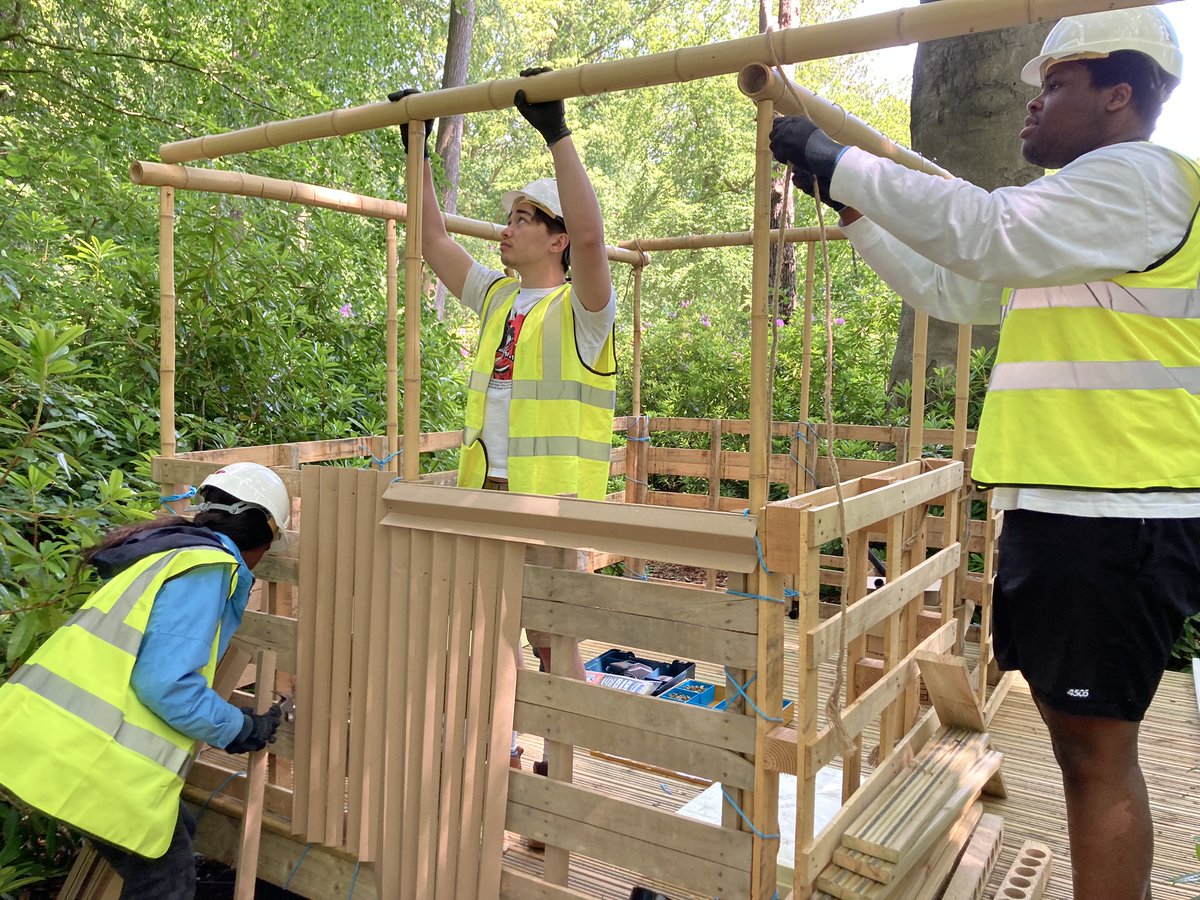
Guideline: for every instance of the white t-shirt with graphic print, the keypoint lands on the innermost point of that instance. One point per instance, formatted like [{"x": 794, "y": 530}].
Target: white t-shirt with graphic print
[{"x": 591, "y": 331}]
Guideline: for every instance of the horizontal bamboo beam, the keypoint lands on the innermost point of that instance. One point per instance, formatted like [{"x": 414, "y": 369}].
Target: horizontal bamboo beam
[
  {"x": 243, "y": 184},
  {"x": 792, "y": 45},
  {"x": 759, "y": 82},
  {"x": 729, "y": 239}
]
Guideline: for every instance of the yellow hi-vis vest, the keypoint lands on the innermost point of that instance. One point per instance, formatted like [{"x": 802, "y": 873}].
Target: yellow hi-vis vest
[
  {"x": 561, "y": 416},
  {"x": 76, "y": 742},
  {"x": 1097, "y": 386}
]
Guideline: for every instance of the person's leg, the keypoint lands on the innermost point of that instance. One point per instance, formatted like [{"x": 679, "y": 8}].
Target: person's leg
[
  {"x": 1108, "y": 811},
  {"x": 170, "y": 877}
]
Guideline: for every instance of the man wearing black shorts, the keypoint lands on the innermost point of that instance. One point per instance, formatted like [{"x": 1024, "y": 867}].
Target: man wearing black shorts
[{"x": 1089, "y": 429}]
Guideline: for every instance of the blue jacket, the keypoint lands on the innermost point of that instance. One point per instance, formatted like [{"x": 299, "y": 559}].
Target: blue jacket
[{"x": 177, "y": 643}]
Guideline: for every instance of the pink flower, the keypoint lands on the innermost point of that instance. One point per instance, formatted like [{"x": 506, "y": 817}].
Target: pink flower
[
  {"x": 685, "y": 303},
  {"x": 839, "y": 321},
  {"x": 705, "y": 321},
  {"x": 347, "y": 311},
  {"x": 779, "y": 323}
]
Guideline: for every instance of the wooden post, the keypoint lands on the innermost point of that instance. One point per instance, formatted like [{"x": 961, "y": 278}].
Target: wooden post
[
  {"x": 714, "y": 485},
  {"x": 962, "y": 391},
  {"x": 256, "y": 783},
  {"x": 413, "y": 271},
  {"x": 166, "y": 332},
  {"x": 637, "y": 342},
  {"x": 916, "y": 408},
  {"x": 393, "y": 342},
  {"x": 810, "y": 262},
  {"x": 760, "y": 413}
]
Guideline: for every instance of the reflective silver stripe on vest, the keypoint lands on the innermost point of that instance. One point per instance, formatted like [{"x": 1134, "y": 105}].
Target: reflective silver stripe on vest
[
  {"x": 102, "y": 715},
  {"x": 110, "y": 626},
  {"x": 559, "y": 446},
  {"x": 564, "y": 390},
  {"x": 1132, "y": 375},
  {"x": 1164, "y": 303},
  {"x": 479, "y": 381}
]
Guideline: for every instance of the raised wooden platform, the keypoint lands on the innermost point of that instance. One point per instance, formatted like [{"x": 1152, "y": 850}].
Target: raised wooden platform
[{"x": 1033, "y": 809}]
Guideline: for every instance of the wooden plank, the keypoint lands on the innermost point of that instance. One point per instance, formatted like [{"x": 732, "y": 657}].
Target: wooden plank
[
  {"x": 459, "y": 707},
  {"x": 906, "y": 818},
  {"x": 210, "y": 779},
  {"x": 949, "y": 685},
  {"x": 480, "y": 676},
  {"x": 631, "y": 742},
  {"x": 690, "y": 537},
  {"x": 978, "y": 859},
  {"x": 342, "y": 556},
  {"x": 925, "y": 882},
  {"x": 256, "y": 781},
  {"x": 263, "y": 631},
  {"x": 664, "y": 600},
  {"x": 873, "y": 506},
  {"x": 414, "y": 881},
  {"x": 507, "y": 599},
  {"x": 879, "y": 604},
  {"x": 648, "y": 632},
  {"x": 388, "y": 851},
  {"x": 306, "y": 649},
  {"x": 363, "y": 537},
  {"x": 382, "y": 646},
  {"x": 623, "y": 833}
]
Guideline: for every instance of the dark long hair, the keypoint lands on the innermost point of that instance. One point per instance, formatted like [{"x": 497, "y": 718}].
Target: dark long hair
[{"x": 248, "y": 530}]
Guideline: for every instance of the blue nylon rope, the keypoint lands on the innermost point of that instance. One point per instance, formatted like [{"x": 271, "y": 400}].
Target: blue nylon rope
[
  {"x": 741, "y": 689},
  {"x": 296, "y": 868}
]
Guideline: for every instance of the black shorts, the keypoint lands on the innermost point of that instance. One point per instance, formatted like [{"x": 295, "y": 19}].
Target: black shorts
[{"x": 1089, "y": 608}]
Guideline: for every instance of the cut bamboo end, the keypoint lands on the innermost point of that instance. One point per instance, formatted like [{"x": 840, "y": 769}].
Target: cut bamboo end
[{"x": 1029, "y": 874}]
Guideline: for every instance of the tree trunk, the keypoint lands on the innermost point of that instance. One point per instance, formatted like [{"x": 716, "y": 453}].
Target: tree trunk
[
  {"x": 781, "y": 214},
  {"x": 450, "y": 128},
  {"x": 968, "y": 103}
]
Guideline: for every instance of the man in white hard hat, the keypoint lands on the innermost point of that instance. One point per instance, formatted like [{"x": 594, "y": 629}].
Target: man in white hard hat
[
  {"x": 1088, "y": 432},
  {"x": 543, "y": 381}
]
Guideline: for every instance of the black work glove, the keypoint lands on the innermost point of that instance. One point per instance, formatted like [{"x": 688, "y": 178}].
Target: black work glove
[
  {"x": 400, "y": 95},
  {"x": 549, "y": 117},
  {"x": 811, "y": 153},
  {"x": 257, "y": 730}
]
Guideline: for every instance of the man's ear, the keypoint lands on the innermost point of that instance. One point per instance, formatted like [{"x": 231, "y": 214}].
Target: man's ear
[
  {"x": 560, "y": 242},
  {"x": 1120, "y": 96}
]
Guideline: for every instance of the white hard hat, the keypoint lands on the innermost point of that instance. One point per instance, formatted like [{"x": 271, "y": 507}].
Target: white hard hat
[
  {"x": 542, "y": 193},
  {"x": 1095, "y": 35},
  {"x": 254, "y": 486}
]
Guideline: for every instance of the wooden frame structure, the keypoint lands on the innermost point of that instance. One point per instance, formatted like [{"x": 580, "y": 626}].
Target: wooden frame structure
[{"x": 410, "y": 595}]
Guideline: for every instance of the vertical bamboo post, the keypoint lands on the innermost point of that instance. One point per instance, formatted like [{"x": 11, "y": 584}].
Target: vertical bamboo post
[
  {"x": 166, "y": 325},
  {"x": 768, "y": 685},
  {"x": 810, "y": 262},
  {"x": 916, "y": 408},
  {"x": 412, "y": 304},
  {"x": 393, "y": 342},
  {"x": 962, "y": 391},
  {"x": 637, "y": 341}
]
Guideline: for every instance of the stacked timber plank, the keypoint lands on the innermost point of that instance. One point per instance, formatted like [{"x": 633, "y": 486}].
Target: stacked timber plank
[{"x": 906, "y": 843}]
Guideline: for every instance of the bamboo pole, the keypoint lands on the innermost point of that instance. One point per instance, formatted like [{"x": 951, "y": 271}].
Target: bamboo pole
[
  {"x": 413, "y": 272},
  {"x": 393, "y": 389},
  {"x": 962, "y": 390},
  {"x": 760, "y": 412},
  {"x": 916, "y": 407},
  {"x": 166, "y": 320},
  {"x": 245, "y": 185},
  {"x": 759, "y": 82},
  {"x": 637, "y": 341},
  {"x": 810, "y": 268},
  {"x": 808, "y": 234},
  {"x": 793, "y": 45}
]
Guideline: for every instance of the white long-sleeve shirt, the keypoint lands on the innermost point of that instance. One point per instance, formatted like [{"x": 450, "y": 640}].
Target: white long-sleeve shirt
[{"x": 949, "y": 248}]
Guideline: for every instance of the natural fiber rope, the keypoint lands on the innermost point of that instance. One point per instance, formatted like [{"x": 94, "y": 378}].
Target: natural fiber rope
[{"x": 833, "y": 705}]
